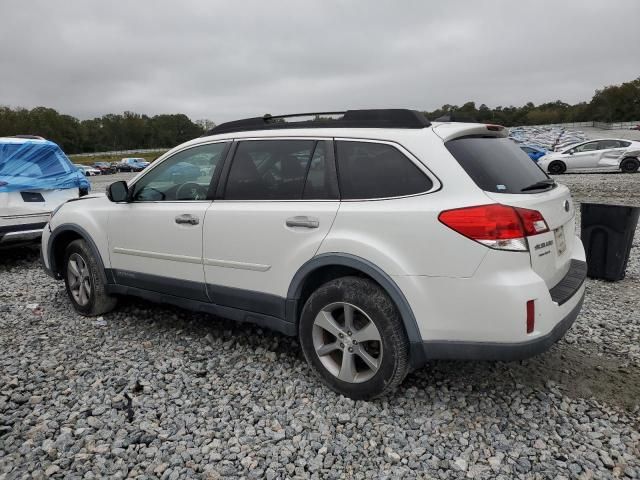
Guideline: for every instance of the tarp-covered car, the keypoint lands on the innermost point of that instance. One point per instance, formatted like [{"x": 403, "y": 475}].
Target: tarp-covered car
[{"x": 35, "y": 178}]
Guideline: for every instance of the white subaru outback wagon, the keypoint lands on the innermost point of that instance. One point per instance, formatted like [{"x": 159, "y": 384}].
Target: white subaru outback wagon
[{"x": 379, "y": 239}]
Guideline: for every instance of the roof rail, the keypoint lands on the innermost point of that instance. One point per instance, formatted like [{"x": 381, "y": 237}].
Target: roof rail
[{"x": 381, "y": 118}]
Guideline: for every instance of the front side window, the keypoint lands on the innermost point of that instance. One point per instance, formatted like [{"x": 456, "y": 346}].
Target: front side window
[
  {"x": 281, "y": 170},
  {"x": 184, "y": 176},
  {"x": 368, "y": 170}
]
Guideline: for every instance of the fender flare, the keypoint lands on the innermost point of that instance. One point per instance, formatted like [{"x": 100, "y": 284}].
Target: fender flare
[
  {"x": 72, "y": 227},
  {"x": 377, "y": 274}
]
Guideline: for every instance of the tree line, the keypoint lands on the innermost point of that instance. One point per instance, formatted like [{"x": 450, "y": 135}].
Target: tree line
[
  {"x": 110, "y": 132},
  {"x": 617, "y": 103}
]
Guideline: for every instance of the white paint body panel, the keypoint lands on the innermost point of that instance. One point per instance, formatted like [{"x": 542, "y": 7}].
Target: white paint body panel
[
  {"x": 15, "y": 211},
  {"x": 144, "y": 238},
  {"x": 249, "y": 246}
]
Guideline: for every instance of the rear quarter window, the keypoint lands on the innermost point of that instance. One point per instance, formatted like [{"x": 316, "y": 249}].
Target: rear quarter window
[
  {"x": 369, "y": 170},
  {"x": 496, "y": 165}
]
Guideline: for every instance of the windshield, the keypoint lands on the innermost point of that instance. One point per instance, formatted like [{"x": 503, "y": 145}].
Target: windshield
[{"x": 497, "y": 165}]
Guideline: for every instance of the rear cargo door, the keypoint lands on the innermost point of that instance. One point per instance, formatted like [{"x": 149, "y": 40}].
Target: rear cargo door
[{"x": 509, "y": 177}]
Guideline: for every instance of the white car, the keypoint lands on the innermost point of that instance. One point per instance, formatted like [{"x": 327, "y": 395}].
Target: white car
[
  {"x": 605, "y": 153},
  {"x": 35, "y": 178},
  {"x": 378, "y": 239},
  {"x": 87, "y": 170}
]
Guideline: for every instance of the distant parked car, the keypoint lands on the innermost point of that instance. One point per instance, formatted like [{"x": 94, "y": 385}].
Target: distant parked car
[
  {"x": 605, "y": 153},
  {"x": 534, "y": 152},
  {"x": 636, "y": 127},
  {"x": 105, "y": 168},
  {"x": 87, "y": 170},
  {"x": 36, "y": 177},
  {"x": 132, "y": 165}
]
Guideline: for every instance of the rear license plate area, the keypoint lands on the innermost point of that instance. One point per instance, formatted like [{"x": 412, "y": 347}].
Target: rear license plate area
[{"x": 32, "y": 197}]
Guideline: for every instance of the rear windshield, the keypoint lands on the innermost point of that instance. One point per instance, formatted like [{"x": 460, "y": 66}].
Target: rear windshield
[{"x": 496, "y": 164}]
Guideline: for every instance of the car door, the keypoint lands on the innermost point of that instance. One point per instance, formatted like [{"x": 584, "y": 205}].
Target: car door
[
  {"x": 611, "y": 151},
  {"x": 583, "y": 156},
  {"x": 155, "y": 239},
  {"x": 278, "y": 203}
]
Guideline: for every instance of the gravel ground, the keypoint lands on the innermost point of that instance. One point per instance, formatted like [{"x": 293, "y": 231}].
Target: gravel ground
[{"x": 155, "y": 392}]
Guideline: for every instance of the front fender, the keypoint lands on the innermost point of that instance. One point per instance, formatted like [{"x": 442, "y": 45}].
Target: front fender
[{"x": 62, "y": 231}]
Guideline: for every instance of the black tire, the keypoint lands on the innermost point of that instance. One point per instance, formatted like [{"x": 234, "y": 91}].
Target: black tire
[
  {"x": 629, "y": 165},
  {"x": 99, "y": 302},
  {"x": 371, "y": 299},
  {"x": 557, "y": 167}
]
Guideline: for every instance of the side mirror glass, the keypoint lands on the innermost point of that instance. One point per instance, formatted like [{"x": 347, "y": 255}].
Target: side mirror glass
[{"x": 118, "y": 191}]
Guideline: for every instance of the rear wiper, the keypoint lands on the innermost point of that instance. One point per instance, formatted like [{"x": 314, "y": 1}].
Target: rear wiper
[{"x": 549, "y": 182}]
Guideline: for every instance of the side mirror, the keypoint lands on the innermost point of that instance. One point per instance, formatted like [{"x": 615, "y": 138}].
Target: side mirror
[
  {"x": 571, "y": 152},
  {"x": 118, "y": 191}
]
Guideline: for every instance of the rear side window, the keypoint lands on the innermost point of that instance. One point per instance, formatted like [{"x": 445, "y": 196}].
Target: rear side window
[
  {"x": 604, "y": 144},
  {"x": 496, "y": 164},
  {"x": 369, "y": 170},
  {"x": 282, "y": 170}
]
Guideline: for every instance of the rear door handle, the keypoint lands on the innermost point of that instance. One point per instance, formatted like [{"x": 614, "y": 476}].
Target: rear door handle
[
  {"x": 304, "y": 222},
  {"x": 186, "y": 219}
]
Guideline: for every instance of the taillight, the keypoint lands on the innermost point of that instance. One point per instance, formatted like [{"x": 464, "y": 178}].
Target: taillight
[{"x": 496, "y": 226}]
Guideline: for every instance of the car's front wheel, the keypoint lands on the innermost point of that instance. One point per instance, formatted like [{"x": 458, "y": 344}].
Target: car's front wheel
[
  {"x": 629, "y": 165},
  {"x": 352, "y": 335},
  {"x": 83, "y": 281},
  {"x": 557, "y": 167}
]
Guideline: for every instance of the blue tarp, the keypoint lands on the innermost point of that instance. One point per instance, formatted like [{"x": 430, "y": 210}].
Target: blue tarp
[{"x": 36, "y": 165}]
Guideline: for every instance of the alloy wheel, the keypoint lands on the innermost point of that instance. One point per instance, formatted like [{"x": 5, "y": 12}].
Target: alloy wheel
[
  {"x": 347, "y": 342},
  {"x": 78, "y": 276}
]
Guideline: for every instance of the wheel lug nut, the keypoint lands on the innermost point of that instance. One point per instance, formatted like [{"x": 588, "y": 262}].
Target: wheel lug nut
[
  {"x": 350, "y": 349},
  {"x": 342, "y": 345},
  {"x": 349, "y": 333},
  {"x": 341, "y": 335},
  {"x": 354, "y": 342}
]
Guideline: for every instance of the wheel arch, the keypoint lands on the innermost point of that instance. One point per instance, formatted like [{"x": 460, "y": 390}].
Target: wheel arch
[
  {"x": 328, "y": 266},
  {"x": 633, "y": 157},
  {"x": 60, "y": 237}
]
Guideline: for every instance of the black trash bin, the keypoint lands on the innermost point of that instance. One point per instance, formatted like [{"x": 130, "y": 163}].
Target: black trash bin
[{"x": 607, "y": 234}]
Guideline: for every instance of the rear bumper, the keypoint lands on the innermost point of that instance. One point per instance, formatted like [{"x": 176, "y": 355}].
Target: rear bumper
[
  {"x": 444, "y": 350},
  {"x": 27, "y": 232},
  {"x": 484, "y": 317}
]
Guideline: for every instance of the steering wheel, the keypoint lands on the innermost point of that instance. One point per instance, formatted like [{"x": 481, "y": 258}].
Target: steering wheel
[{"x": 191, "y": 191}]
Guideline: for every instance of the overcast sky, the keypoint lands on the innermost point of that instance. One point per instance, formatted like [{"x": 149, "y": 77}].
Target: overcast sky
[{"x": 226, "y": 60}]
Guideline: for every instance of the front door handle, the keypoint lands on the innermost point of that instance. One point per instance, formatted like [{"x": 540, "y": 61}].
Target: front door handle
[
  {"x": 304, "y": 222},
  {"x": 186, "y": 219}
]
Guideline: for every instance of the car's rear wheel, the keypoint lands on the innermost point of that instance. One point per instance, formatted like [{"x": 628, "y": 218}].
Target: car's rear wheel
[
  {"x": 352, "y": 334},
  {"x": 557, "y": 167},
  {"x": 83, "y": 281},
  {"x": 629, "y": 165}
]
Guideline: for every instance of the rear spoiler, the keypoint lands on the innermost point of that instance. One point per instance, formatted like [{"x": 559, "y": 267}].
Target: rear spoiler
[{"x": 450, "y": 130}]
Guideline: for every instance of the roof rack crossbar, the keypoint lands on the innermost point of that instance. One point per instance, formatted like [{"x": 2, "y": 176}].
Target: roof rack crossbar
[{"x": 378, "y": 118}]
